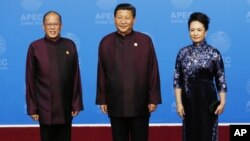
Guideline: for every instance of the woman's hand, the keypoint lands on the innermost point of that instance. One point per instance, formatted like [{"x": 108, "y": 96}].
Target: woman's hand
[{"x": 180, "y": 110}]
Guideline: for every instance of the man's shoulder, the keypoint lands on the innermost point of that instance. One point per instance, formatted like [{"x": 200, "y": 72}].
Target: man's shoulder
[
  {"x": 141, "y": 35},
  {"x": 109, "y": 38},
  {"x": 66, "y": 39},
  {"x": 110, "y": 35},
  {"x": 37, "y": 41}
]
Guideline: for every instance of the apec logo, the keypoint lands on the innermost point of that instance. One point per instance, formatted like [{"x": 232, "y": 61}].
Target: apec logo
[
  {"x": 3, "y": 45},
  {"x": 106, "y": 4},
  {"x": 247, "y": 106},
  {"x": 105, "y": 16},
  {"x": 31, "y": 5},
  {"x": 248, "y": 86},
  {"x": 75, "y": 38},
  {"x": 173, "y": 107},
  {"x": 181, "y": 4},
  {"x": 179, "y": 16},
  {"x": 32, "y": 17},
  {"x": 222, "y": 41},
  {"x": 239, "y": 132}
]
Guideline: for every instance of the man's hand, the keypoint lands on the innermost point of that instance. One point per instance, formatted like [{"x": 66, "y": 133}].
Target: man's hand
[
  {"x": 74, "y": 113},
  {"x": 35, "y": 117},
  {"x": 152, "y": 107},
  {"x": 104, "y": 109}
]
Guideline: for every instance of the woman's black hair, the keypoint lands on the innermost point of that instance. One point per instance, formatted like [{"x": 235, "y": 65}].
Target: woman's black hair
[{"x": 201, "y": 17}]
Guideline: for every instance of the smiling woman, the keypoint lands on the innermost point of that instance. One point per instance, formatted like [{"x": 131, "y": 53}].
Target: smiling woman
[{"x": 197, "y": 66}]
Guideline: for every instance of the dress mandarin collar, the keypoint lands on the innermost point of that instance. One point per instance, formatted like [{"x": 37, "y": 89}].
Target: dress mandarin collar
[{"x": 200, "y": 44}]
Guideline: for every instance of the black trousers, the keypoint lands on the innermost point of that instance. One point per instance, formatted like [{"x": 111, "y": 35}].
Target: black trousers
[
  {"x": 60, "y": 132},
  {"x": 130, "y": 128}
]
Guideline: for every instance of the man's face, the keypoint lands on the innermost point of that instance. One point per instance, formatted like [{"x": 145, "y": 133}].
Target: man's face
[
  {"x": 52, "y": 26},
  {"x": 124, "y": 21}
]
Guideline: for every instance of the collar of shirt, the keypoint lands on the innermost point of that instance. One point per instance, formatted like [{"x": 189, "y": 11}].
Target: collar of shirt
[
  {"x": 52, "y": 41},
  {"x": 200, "y": 44},
  {"x": 129, "y": 35}
]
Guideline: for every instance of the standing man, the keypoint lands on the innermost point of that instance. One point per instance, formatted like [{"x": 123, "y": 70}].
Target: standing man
[
  {"x": 128, "y": 83},
  {"x": 53, "y": 82}
]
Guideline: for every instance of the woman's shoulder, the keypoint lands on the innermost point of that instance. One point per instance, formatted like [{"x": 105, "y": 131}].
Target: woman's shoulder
[
  {"x": 212, "y": 48},
  {"x": 185, "y": 48}
]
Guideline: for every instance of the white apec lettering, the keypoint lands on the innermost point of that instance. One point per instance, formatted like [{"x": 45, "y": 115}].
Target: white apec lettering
[
  {"x": 248, "y": 14},
  {"x": 227, "y": 60},
  {"x": 3, "y": 62},
  {"x": 177, "y": 15},
  {"x": 33, "y": 17},
  {"x": 102, "y": 16}
]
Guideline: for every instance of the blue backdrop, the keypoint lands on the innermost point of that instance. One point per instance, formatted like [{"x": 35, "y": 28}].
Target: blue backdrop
[{"x": 87, "y": 21}]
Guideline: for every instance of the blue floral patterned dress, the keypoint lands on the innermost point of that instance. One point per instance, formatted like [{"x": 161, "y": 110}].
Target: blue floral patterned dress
[{"x": 199, "y": 72}]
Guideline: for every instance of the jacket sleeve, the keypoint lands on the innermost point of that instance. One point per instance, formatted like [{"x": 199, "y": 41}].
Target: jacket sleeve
[
  {"x": 30, "y": 82},
  {"x": 154, "y": 77},
  {"x": 77, "y": 104},
  {"x": 101, "y": 80}
]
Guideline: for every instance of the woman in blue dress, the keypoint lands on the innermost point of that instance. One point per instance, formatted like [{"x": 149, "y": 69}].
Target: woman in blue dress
[{"x": 199, "y": 81}]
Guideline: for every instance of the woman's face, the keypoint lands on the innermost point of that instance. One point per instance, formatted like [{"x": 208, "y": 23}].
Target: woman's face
[{"x": 197, "y": 31}]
